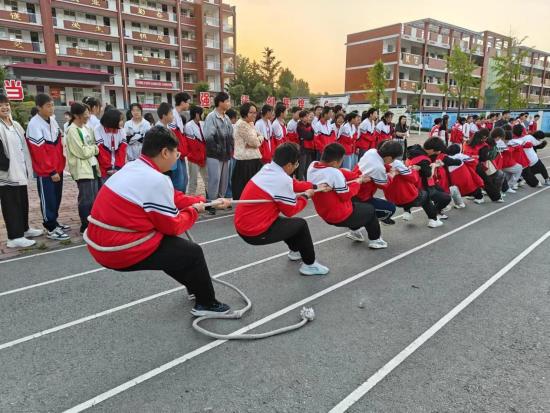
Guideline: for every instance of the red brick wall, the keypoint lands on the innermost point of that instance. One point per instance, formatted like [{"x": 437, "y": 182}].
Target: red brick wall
[
  {"x": 367, "y": 54},
  {"x": 379, "y": 32}
]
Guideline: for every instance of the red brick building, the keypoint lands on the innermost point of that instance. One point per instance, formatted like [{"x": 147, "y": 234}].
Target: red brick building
[
  {"x": 151, "y": 49},
  {"x": 414, "y": 54}
]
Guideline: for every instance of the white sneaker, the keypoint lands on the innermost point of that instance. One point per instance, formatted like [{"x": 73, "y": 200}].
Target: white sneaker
[
  {"x": 446, "y": 209},
  {"x": 539, "y": 185},
  {"x": 407, "y": 216},
  {"x": 57, "y": 234},
  {"x": 356, "y": 236},
  {"x": 510, "y": 191},
  {"x": 20, "y": 243},
  {"x": 500, "y": 201},
  {"x": 377, "y": 244},
  {"x": 503, "y": 194},
  {"x": 469, "y": 197},
  {"x": 63, "y": 226},
  {"x": 33, "y": 232},
  {"x": 442, "y": 216},
  {"x": 460, "y": 206},
  {"x": 520, "y": 184},
  {"x": 294, "y": 256},
  {"x": 434, "y": 223},
  {"x": 313, "y": 269},
  {"x": 547, "y": 182},
  {"x": 515, "y": 187},
  {"x": 479, "y": 201}
]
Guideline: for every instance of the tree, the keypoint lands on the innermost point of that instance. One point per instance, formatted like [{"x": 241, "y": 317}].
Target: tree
[
  {"x": 202, "y": 87},
  {"x": 270, "y": 68},
  {"x": 3, "y": 74},
  {"x": 300, "y": 88},
  {"x": 313, "y": 98},
  {"x": 510, "y": 78},
  {"x": 376, "y": 86},
  {"x": 260, "y": 92},
  {"x": 461, "y": 67},
  {"x": 236, "y": 92},
  {"x": 284, "y": 84}
]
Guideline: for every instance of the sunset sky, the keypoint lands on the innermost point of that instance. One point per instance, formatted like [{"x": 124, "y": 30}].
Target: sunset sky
[{"x": 309, "y": 35}]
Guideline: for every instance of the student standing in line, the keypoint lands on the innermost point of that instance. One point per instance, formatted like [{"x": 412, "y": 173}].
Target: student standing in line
[{"x": 135, "y": 130}]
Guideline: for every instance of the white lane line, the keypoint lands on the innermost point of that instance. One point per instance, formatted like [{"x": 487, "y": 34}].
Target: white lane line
[
  {"x": 373, "y": 380},
  {"x": 188, "y": 356},
  {"x": 69, "y": 277}
]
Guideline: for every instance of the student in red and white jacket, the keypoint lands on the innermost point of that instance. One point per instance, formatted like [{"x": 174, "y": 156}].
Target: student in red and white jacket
[
  {"x": 148, "y": 214},
  {"x": 527, "y": 157},
  {"x": 48, "y": 162},
  {"x": 464, "y": 175},
  {"x": 531, "y": 144},
  {"x": 261, "y": 223},
  {"x": 292, "y": 126},
  {"x": 196, "y": 146},
  {"x": 347, "y": 136},
  {"x": 533, "y": 125},
  {"x": 457, "y": 135},
  {"x": 383, "y": 129},
  {"x": 264, "y": 128},
  {"x": 178, "y": 173},
  {"x": 278, "y": 126},
  {"x": 434, "y": 132},
  {"x": 366, "y": 139},
  {"x": 336, "y": 207},
  {"x": 323, "y": 133},
  {"x": 510, "y": 166},
  {"x": 111, "y": 140},
  {"x": 373, "y": 164}
]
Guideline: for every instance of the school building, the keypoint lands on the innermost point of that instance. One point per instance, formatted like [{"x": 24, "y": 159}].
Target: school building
[
  {"x": 121, "y": 51},
  {"x": 414, "y": 54}
]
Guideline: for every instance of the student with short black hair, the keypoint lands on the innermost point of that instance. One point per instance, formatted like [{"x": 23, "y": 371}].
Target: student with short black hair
[
  {"x": 261, "y": 223},
  {"x": 323, "y": 133},
  {"x": 111, "y": 140},
  {"x": 264, "y": 127},
  {"x": 48, "y": 162},
  {"x": 366, "y": 139},
  {"x": 347, "y": 136},
  {"x": 135, "y": 129},
  {"x": 337, "y": 207},
  {"x": 218, "y": 133},
  {"x": 533, "y": 124},
  {"x": 533, "y": 143},
  {"x": 182, "y": 102},
  {"x": 137, "y": 219},
  {"x": 383, "y": 130},
  {"x": 94, "y": 106},
  {"x": 177, "y": 174},
  {"x": 434, "y": 132},
  {"x": 305, "y": 135},
  {"x": 292, "y": 126},
  {"x": 504, "y": 119},
  {"x": 278, "y": 125},
  {"x": 511, "y": 165},
  {"x": 457, "y": 135}
]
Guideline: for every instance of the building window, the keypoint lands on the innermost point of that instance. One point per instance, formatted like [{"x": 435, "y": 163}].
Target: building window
[
  {"x": 93, "y": 45},
  {"x": 11, "y": 5},
  {"x": 139, "y": 73},
  {"x": 91, "y": 18},
  {"x": 436, "y": 102},
  {"x": 140, "y": 97},
  {"x": 157, "y": 98},
  {"x": 155, "y": 75},
  {"x": 15, "y": 34},
  {"x": 155, "y": 53},
  {"x": 188, "y": 35},
  {"x": 95, "y": 67},
  {"x": 388, "y": 46},
  {"x": 78, "y": 94},
  {"x": 69, "y": 13},
  {"x": 188, "y": 78},
  {"x": 138, "y": 51}
]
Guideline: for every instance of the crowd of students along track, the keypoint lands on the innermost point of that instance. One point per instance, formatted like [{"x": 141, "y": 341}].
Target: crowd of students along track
[
  {"x": 473, "y": 158},
  {"x": 340, "y": 161}
]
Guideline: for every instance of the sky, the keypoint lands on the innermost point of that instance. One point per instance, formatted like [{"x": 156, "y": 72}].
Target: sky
[{"x": 309, "y": 36}]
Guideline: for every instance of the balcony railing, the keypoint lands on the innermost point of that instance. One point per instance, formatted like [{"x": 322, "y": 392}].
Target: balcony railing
[
  {"x": 212, "y": 65},
  {"x": 212, "y": 21},
  {"x": 412, "y": 33},
  {"x": 151, "y": 37},
  {"x": 546, "y": 99},
  {"x": 20, "y": 17},
  {"x": 477, "y": 72},
  {"x": 408, "y": 85},
  {"x": 149, "y": 12},
  {"x": 547, "y": 82},
  {"x": 103, "y": 4},
  {"x": 155, "y": 61},
  {"x": 228, "y": 49},
  {"x": 432, "y": 88},
  {"x": 229, "y": 68},
  {"x": 21, "y": 46},
  {"x": 411, "y": 59},
  {"x": 85, "y": 53},
  {"x": 536, "y": 81},
  {"x": 212, "y": 44},
  {"x": 438, "y": 39},
  {"x": 84, "y": 27},
  {"x": 437, "y": 64},
  {"x": 228, "y": 28}
]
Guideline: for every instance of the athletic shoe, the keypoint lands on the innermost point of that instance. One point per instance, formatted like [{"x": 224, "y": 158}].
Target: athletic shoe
[
  {"x": 520, "y": 184},
  {"x": 503, "y": 194},
  {"x": 434, "y": 223},
  {"x": 355, "y": 236},
  {"x": 515, "y": 187},
  {"x": 63, "y": 226},
  {"x": 479, "y": 201},
  {"x": 469, "y": 197},
  {"x": 33, "y": 232},
  {"x": 20, "y": 243},
  {"x": 442, "y": 216},
  {"x": 511, "y": 191},
  {"x": 215, "y": 308},
  {"x": 539, "y": 185},
  {"x": 460, "y": 206},
  {"x": 446, "y": 209},
  {"x": 294, "y": 256},
  {"x": 407, "y": 216},
  {"x": 211, "y": 210},
  {"x": 388, "y": 221},
  {"x": 377, "y": 244},
  {"x": 313, "y": 269},
  {"x": 547, "y": 182},
  {"x": 57, "y": 234},
  {"x": 500, "y": 201}
]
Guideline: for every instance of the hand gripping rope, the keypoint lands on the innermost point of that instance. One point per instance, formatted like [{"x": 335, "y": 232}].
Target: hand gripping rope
[{"x": 306, "y": 313}]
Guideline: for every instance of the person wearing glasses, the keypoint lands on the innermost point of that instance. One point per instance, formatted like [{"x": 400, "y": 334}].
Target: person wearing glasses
[{"x": 261, "y": 223}]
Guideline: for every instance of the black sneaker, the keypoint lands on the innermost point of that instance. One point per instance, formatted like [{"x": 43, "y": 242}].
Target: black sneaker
[
  {"x": 63, "y": 226},
  {"x": 388, "y": 221},
  {"x": 211, "y": 210},
  {"x": 215, "y": 308}
]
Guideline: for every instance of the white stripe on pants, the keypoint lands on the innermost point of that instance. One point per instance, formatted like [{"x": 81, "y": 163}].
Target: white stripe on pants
[
  {"x": 218, "y": 177},
  {"x": 194, "y": 171},
  {"x": 512, "y": 174}
]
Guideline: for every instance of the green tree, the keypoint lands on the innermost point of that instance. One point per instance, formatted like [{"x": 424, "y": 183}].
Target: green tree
[
  {"x": 376, "y": 85},
  {"x": 313, "y": 99},
  {"x": 461, "y": 67},
  {"x": 202, "y": 87},
  {"x": 284, "y": 84},
  {"x": 247, "y": 74},
  {"x": 270, "y": 68},
  {"x": 300, "y": 88},
  {"x": 260, "y": 93},
  {"x": 510, "y": 78},
  {"x": 3, "y": 74},
  {"x": 236, "y": 92}
]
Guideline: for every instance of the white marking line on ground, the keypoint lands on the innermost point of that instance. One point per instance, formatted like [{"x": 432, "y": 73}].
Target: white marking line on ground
[
  {"x": 161, "y": 369},
  {"x": 80, "y": 274},
  {"x": 373, "y": 380}
]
